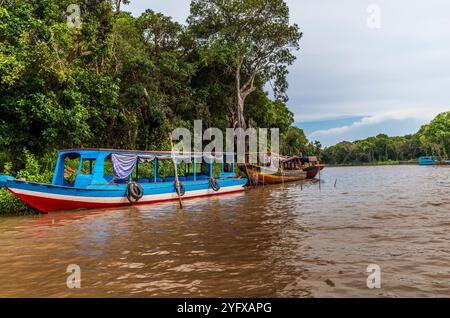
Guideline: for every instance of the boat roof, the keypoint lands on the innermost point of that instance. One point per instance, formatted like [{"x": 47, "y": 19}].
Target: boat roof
[{"x": 129, "y": 151}]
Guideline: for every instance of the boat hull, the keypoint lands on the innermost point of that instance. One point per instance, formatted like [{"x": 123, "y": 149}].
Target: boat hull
[
  {"x": 49, "y": 198},
  {"x": 312, "y": 171},
  {"x": 430, "y": 161},
  {"x": 261, "y": 178}
]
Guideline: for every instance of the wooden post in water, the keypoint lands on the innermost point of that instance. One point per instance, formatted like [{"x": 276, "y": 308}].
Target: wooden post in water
[
  {"x": 177, "y": 182},
  {"x": 248, "y": 176},
  {"x": 320, "y": 185}
]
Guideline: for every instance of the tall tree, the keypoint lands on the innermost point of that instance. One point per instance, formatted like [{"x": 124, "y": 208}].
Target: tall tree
[{"x": 253, "y": 37}]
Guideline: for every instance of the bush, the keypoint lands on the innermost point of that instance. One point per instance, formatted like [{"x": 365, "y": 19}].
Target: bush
[
  {"x": 33, "y": 171},
  {"x": 9, "y": 204}
]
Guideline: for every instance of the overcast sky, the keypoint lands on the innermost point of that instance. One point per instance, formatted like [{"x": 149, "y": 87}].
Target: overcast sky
[{"x": 351, "y": 81}]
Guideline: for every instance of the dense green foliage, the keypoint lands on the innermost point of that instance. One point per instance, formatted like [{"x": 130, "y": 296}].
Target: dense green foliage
[
  {"x": 435, "y": 137},
  {"x": 121, "y": 81},
  {"x": 33, "y": 170},
  {"x": 432, "y": 139}
]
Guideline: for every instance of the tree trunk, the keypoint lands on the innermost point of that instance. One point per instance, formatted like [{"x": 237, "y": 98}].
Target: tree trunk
[
  {"x": 241, "y": 94},
  {"x": 240, "y": 112},
  {"x": 240, "y": 119}
]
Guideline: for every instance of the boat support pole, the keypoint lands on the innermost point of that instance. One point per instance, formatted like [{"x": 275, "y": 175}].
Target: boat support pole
[
  {"x": 177, "y": 182},
  {"x": 320, "y": 181}
]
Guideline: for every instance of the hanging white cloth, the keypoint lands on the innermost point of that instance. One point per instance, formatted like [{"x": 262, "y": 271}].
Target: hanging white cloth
[{"x": 123, "y": 165}]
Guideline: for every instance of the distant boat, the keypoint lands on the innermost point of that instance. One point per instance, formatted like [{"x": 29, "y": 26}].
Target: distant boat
[
  {"x": 431, "y": 161},
  {"x": 102, "y": 178},
  {"x": 427, "y": 161}
]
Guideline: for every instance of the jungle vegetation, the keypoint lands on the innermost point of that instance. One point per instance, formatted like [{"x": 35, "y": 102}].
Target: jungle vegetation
[
  {"x": 431, "y": 140},
  {"x": 120, "y": 81}
]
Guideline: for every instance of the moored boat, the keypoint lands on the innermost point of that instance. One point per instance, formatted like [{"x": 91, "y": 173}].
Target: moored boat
[
  {"x": 101, "y": 178},
  {"x": 289, "y": 170},
  {"x": 426, "y": 161},
  {"x": 431, "y": 161}
]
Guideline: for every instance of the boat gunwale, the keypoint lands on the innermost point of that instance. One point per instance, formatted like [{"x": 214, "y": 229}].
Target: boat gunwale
[{"x": 118, "y": 186}]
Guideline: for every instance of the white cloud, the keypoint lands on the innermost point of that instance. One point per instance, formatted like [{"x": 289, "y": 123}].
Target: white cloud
[{"x": 393, "y": 123}]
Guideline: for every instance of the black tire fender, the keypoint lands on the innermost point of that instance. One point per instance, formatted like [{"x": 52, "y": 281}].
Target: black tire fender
[
  {"x": 214, "y": 184},
  {"x": 134, "y": 192}
]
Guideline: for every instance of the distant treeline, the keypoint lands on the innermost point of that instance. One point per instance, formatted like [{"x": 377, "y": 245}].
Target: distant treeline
[
  {"x": 431, "y": 139},
  {"x": 120, "y": 81}
]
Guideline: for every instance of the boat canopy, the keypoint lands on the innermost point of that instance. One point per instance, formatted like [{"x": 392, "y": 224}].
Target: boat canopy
[{"x": 90, "y": 170}]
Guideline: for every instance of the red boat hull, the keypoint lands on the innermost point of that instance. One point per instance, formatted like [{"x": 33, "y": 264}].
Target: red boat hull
[{"x": 47, "y": 205}]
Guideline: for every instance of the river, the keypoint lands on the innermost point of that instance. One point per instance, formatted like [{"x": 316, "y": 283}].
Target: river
[{"x": 275, "y": 241}]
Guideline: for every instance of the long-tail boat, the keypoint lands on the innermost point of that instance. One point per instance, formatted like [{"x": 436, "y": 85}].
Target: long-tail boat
[
  {"x": 311, "y": 166},
  {"x": 288, "y": 170},
  {"x": 101, "y": 178}
]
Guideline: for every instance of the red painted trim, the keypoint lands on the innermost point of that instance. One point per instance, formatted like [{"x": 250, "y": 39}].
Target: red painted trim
[{"x": 46, "y": 205}]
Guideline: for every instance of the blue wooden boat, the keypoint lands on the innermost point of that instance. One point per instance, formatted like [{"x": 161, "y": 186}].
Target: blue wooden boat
[
  {"x": 427, "y": 161},
  {"x": 110, "y": 178},
  {"x": 431, "y": 161}
]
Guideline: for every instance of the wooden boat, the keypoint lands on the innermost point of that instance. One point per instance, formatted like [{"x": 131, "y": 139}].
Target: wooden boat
[
  {"x": 289, "y": 171},
  {"x": 431, "y": 161},
  {"x": 426, "y": 161},
  {"x": 103, "y": 179}
]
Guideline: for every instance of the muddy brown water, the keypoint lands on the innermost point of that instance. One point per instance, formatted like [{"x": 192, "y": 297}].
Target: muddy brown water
[{"x": 277, "y": 241}]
